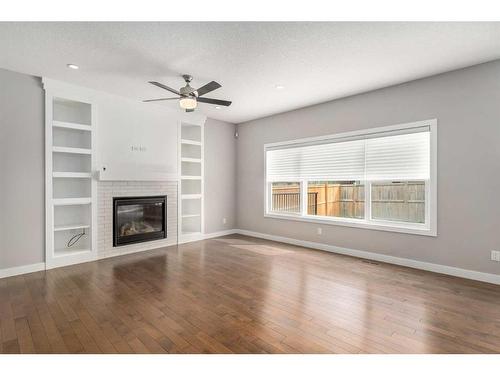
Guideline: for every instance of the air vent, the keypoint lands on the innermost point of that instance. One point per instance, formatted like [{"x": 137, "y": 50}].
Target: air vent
[{"x": 370, "y": 262}]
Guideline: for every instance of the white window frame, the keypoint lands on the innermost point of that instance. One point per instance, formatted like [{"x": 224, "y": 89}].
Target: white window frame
[{"x": 429, "y": 228}]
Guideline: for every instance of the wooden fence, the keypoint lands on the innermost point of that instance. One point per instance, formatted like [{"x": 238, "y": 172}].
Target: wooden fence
[
  {"x": 290, "y": 202},
  {"x": 403, "y": 201}
]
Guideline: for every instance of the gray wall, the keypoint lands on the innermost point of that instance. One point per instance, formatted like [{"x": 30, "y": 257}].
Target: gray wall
[
  {"x": 220, "y": 176},
  {"x": 467, "y": 105},
  {"x": 22, "y": 176}
]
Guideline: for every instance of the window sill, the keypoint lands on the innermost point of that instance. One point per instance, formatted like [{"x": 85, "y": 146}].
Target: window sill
[{"x": 355, "y": 223}]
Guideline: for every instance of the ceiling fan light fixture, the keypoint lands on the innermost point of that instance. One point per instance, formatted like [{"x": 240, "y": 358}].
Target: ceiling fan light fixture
[
  {"x": 189, "y": 97},
  {"x": 187, "y": 102}
]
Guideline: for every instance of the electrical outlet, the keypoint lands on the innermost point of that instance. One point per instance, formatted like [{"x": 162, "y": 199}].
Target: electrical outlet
[
  {"x": 319, "y": 231},
  {"x": 224, "y": 220},
  {"x": 495, "y": 255}
]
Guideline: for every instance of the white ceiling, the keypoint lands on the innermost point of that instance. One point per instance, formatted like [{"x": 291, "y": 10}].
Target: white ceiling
[{"x": 315, "y": 62}]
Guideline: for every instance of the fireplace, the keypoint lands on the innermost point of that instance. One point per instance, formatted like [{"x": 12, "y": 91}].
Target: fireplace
[{"x": 139, "y": 219}]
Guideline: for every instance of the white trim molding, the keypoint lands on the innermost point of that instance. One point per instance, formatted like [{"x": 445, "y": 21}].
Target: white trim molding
[
  {"x": 21, "y": 270},
  {"x": 432, "y": 267},
  {"x": 207, "y": 236},
  {"x": 221, "y": 233}
]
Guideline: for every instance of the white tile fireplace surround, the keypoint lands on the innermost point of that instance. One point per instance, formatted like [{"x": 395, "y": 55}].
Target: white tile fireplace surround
[{"x": 106, "y": 190}]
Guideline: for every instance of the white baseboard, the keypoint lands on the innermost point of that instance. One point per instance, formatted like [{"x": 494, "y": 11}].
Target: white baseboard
[
  {"x": 220, "y": 233},
  {"x": 20, "y": 270},
  {"x": 206, "y": 236},
  {"x": 438, "y": 268},
  {"x": 186, "y": 238}
]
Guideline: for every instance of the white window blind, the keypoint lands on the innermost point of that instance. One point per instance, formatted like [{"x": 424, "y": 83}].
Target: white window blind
[
  {"x": 376, "y": 157},
  {"x": 336, "y": 161},
  {"x": 398, "y": 157}
]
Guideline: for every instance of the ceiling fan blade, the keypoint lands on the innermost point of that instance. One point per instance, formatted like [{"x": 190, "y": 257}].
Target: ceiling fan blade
[
  {"x": 214, "y": 101},
  {"x": 211, "y": 86},
  {"x": 157, "y": 100},
  {"x": 161, "y": 85}
]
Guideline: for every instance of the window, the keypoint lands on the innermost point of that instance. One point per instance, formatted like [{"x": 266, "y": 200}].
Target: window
[
  {"x": 399, "y": 201},
  {"x": 286, "y": 197},
  {"x": 383, "y": 178},
  {"x": 336, "y": 199}
]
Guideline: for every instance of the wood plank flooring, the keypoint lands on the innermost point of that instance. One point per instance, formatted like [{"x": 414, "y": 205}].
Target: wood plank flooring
[{"x": 239, "y": 294}]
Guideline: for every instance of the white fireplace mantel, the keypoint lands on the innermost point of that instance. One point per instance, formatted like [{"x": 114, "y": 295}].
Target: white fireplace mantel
[{"x": 135, "y": 175}]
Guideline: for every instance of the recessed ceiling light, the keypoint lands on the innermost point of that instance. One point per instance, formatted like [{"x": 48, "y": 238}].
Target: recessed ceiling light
[
  {"x": 279, "y": 87},
  {"x": 217, "y": 107},
  {"x": 73, "y": 66}
]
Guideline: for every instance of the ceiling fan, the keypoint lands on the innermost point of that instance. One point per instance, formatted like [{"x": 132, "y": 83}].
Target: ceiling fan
[{"x": 188, "y": 96}]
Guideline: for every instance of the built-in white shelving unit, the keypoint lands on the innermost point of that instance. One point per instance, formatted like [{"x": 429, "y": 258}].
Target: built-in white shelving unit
[
  {"x": 71, "y": 190},
  {"x": 191, "y": 160}
]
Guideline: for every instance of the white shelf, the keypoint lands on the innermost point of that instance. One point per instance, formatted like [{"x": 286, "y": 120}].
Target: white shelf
[
  {"x": 185, "y": 233},
  {"x": 191, "y": 160},
  {"x": 191, "y": 196},
  {"x": 71, "y": 175},
  {"x": 71, "y": 125},
  {"x": 71, "y": 201},
  {"x": 72, "y": 150},
  {"x": 188, "y": 216},
  {"x": 190, "y": 142},
  {"x": 69, "y": 251},
  {"x": 70, "y": 227},
  {"x": 191, "y": 177}
]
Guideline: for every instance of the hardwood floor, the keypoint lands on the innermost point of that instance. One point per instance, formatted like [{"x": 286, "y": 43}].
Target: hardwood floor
[{"x": 239, "y": 294}]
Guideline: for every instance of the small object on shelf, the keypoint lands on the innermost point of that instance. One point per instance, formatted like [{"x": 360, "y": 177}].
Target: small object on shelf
[{"x": 73, "y": 240}]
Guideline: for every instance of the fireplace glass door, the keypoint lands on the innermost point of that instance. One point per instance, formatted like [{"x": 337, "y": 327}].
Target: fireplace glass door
[{"x": 139, "y": 219}]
